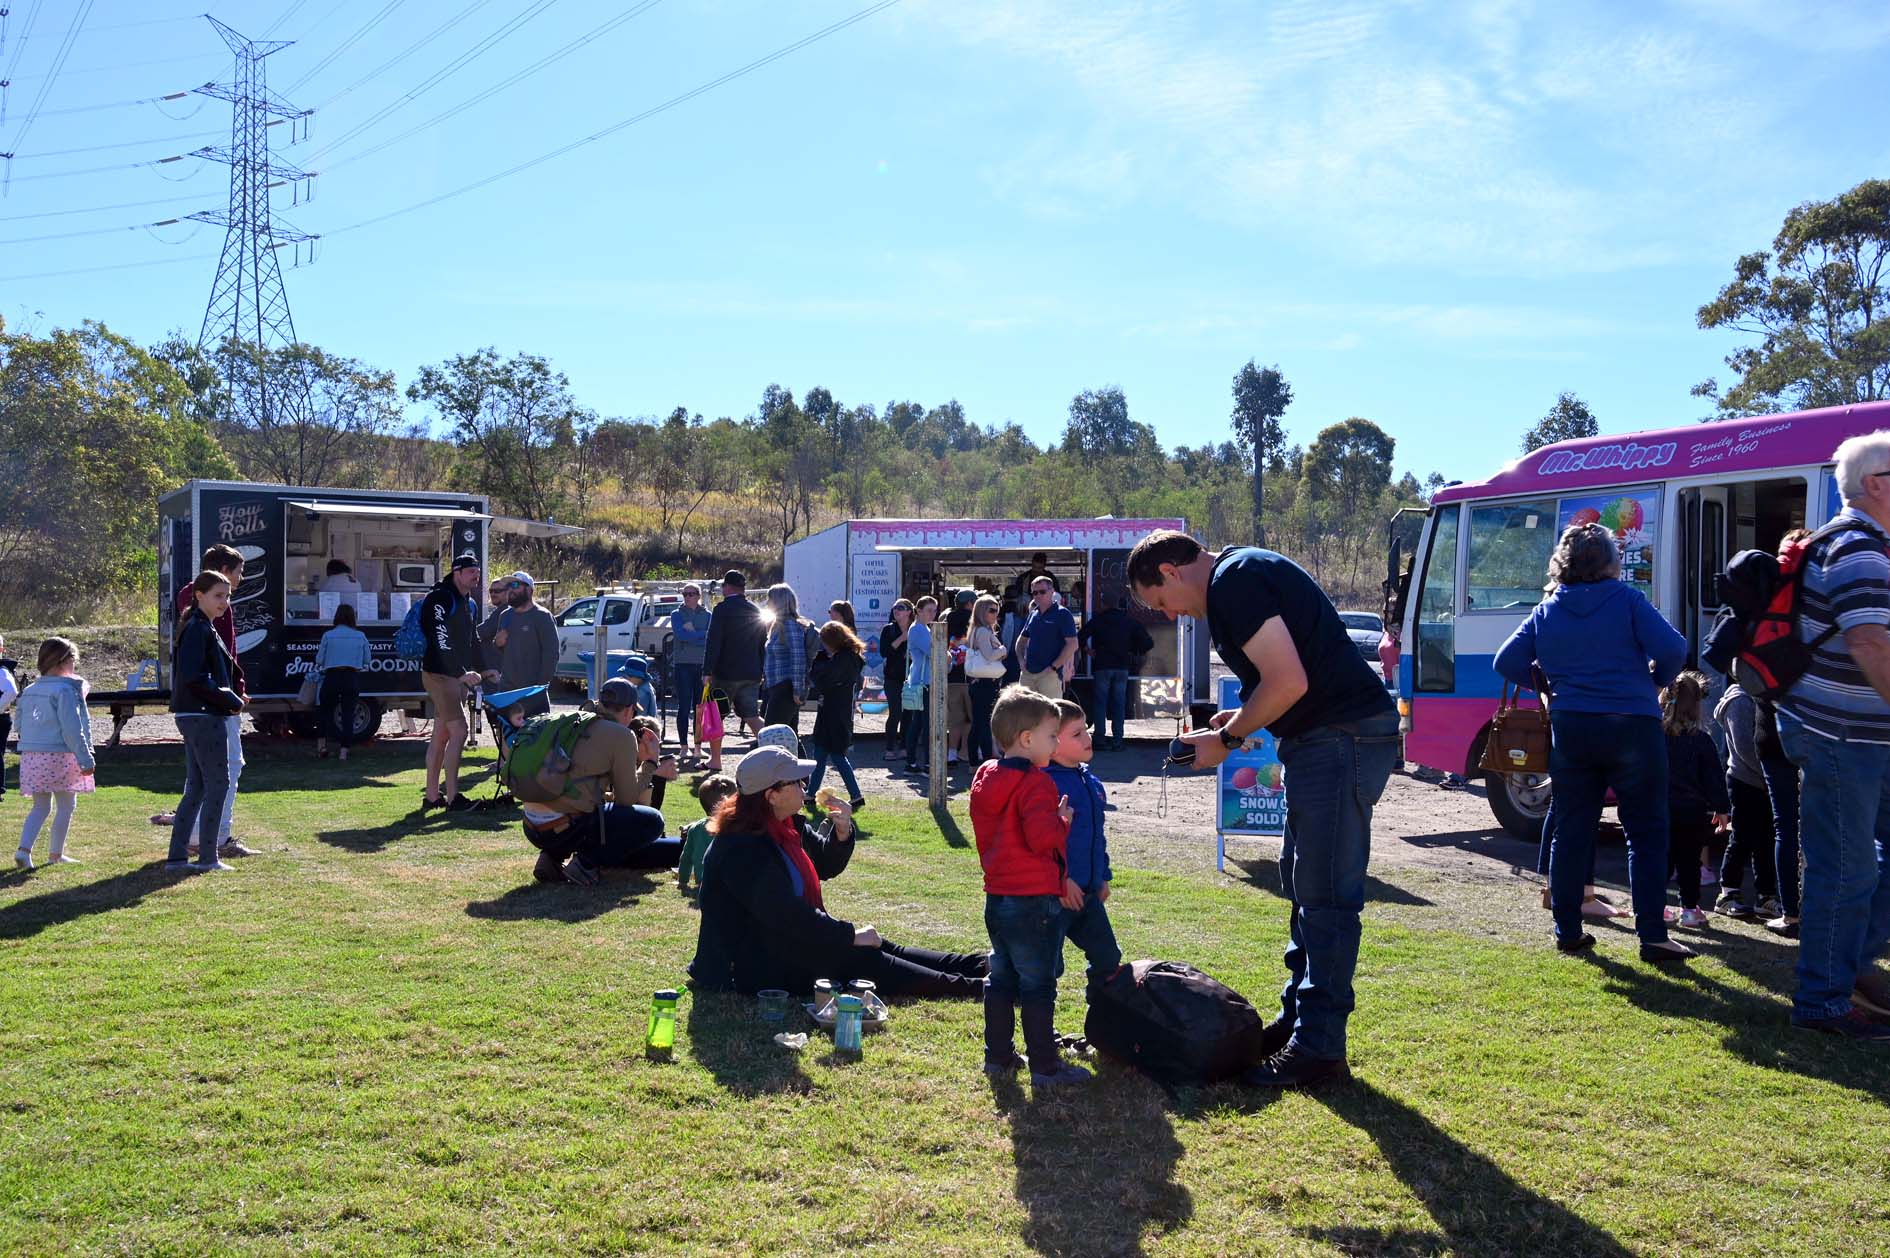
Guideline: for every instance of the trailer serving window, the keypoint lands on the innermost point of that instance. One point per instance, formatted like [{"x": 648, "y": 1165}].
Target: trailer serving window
[{"x": 379, "y": 557}]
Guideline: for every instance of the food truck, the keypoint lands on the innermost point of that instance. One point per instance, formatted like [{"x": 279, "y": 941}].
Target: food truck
[
  {"x": 873, "y": 563},
  {"x": 396, "y": 544}
]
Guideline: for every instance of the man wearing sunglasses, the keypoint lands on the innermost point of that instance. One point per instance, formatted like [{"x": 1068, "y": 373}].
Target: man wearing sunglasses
[{"x": 521, "y": 640}]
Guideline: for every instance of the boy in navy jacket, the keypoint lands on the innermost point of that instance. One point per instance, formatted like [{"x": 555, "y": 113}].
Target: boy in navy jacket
[
  {"x": 1085, "y": 917},
  {"x": 1022, "y": 828}
]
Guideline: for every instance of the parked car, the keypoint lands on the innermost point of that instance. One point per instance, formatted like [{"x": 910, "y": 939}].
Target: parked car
[
  {"x": 577, "y": 629},
  {"x": 1365, "y": 629}
]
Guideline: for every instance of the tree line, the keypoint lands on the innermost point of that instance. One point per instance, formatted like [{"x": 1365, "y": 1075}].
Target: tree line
[{"x": 93, "y": 427}]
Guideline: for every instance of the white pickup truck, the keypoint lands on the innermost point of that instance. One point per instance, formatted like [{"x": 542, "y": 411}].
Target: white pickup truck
[{"x": 629, "y": 620}]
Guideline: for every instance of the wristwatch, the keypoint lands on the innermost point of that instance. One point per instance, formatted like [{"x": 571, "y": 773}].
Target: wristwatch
[{"x": 1231, "y": 740}]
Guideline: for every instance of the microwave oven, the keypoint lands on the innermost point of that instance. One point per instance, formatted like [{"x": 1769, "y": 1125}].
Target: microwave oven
[{"x": 413, "y": 576}]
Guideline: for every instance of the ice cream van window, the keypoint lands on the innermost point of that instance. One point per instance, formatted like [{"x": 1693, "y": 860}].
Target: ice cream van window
[{"x": 1508, "y": 562}]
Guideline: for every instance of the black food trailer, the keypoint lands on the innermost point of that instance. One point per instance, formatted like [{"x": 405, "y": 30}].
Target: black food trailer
[{"x": 396, "y": 544}]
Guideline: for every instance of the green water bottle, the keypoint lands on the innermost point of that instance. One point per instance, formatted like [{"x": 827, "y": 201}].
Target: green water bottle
[
  {"x": 660, "y": 1040},
  {"x": 847, "y": 1016}
]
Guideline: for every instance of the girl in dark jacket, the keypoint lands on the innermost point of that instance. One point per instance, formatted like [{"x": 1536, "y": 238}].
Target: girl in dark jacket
[
  {"x": 764, "y": 917},
  {"x": 1696, "y": 791},
  {"x": 835, "y": 675},
  {"x": 203, "y": 701}
]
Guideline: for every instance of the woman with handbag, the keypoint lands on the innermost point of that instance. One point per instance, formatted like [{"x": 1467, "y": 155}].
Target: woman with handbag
[
  {"x": 1605, "y": 653},
  {"x": 341, "y": 657},
  {"x": 984, "y": 665},
  {"x": 203, "y": 703}
]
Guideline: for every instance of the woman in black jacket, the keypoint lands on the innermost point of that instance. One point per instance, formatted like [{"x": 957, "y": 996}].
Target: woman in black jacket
[
  {"x": 835, "y": 678},
  {"x": 764, "y": 919},
  {"x": 203, "y": 702},
  {"x": 892, "y": 654}
]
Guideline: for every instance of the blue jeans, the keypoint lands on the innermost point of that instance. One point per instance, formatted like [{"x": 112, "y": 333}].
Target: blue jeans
[
  {"x": 1781, "y": 784},
  {"x": 1334, "y": 776},
  {"x": 840, "y": 763},
  {"x": 919, "y": 731},
  {"x": 687, "y": 679},
  {"x": 1089, "y": 929},
  {"x": 1026, "y": 946},
  {"x": 206, "y": 783},
  {"x": 1589, "y": 753},
  {"x": 1844, "y": 828},
  {"x": 1112, "y": 700}
]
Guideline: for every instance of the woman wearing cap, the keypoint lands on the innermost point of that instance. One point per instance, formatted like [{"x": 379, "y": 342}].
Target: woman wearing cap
[{"x": 764, "y": 918}]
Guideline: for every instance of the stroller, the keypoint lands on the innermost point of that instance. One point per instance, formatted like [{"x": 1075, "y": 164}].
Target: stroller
[{"x": 495, "y": 703}]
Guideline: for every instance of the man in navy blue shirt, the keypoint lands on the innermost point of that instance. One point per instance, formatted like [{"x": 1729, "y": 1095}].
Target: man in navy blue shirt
[
  {"x": 1301, "y": 679},
  {"x": 1049, "y": 641}
]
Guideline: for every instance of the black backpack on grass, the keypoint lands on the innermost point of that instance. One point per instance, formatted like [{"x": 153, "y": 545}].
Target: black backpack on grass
[{"x": 1174, "y": 1023}]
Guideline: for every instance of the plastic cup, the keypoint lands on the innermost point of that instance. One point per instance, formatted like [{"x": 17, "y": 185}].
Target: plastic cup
[{"x": 774, "y": 1004}]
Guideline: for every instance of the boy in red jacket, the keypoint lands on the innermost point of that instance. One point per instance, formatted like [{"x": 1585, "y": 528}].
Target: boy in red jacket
[{"x": 1022, "y": 826}]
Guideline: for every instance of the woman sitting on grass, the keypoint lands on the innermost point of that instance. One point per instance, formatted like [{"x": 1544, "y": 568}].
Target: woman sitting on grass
[{"x": 764, "y": 918}]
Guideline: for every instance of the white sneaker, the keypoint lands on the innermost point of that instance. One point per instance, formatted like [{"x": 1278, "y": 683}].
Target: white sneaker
[
  {"x": 23, "y": 860},
  {"x": 61, "y": 859},
  {"x": 215, "y": 867},
  {"x": 1693, "y": 919}
]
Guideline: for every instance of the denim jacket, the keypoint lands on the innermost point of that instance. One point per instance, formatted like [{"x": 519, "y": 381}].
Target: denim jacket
[{"x": 52, "y": 717}]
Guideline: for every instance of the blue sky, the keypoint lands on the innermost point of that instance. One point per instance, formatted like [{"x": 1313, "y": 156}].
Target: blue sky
[{"x": 1436, "y": 216}]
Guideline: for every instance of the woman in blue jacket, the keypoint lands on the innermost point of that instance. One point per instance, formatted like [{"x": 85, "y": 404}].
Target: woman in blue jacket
[{"x": 1606, "y": 653}]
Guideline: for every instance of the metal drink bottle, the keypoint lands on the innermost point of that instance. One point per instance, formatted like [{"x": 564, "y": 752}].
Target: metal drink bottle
[{"x": 660, "y": 1040}]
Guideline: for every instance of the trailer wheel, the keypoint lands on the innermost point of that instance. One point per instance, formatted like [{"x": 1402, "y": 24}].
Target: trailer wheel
[
  {"x": 367, "y": 719},
  {"x": 1520, "y": 801}
]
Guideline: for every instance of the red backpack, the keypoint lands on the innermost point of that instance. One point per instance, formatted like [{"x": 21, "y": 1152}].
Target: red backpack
[{"x": 1765, "y": 596}]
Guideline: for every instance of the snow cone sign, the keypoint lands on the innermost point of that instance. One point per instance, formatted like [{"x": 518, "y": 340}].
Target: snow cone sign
[
  {"x": 1252, "y": 785},
  {"x": 1630, "y": 517}
]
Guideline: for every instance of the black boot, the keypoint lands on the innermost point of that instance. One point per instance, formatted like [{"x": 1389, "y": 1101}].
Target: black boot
[
  {"x": 1047, "y": 1067},
  {"x": 1293, "y": 1067},
  {"x": 1000, "y": 1021}
]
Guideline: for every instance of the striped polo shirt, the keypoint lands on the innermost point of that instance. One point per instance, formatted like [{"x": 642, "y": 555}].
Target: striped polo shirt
[{"x": 1847, "y": 582}]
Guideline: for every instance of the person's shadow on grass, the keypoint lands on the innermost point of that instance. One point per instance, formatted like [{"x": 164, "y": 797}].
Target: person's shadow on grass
[
  {"x": 374, "y": 838},
  {"x": 25, "y": 918},
  {"x": 1478, "y": 1207},
  {"x": 729, "y": 1040},
  {"x": 1265, "y": 874},
  {"x": 1756, "y": 1028},
  {"x": 1095, "y": 1163},
  {"x": 564, "y": 901}
]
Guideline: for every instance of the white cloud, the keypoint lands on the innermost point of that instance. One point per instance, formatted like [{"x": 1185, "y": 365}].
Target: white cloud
[{"x": 1496, "y": 137}]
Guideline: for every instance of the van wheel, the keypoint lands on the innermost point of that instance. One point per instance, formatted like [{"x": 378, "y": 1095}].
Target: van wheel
[
  {"x": 1520, "y": 802},
  {"x": 367, "y": 719}
]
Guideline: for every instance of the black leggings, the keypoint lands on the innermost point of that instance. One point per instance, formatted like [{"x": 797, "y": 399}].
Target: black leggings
[
  {"x": 1688, "y": 834},
  {"x": 340, "y": 690},
  {"x": 908, "y": 971},
  {"x": 1752, "y": 841}
]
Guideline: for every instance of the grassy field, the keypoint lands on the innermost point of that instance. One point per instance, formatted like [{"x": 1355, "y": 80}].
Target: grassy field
[{"x": 378, "y": 1037}]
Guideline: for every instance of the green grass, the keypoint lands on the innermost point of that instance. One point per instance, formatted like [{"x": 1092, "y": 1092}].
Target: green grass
[{"x": 379, "y": 1037}]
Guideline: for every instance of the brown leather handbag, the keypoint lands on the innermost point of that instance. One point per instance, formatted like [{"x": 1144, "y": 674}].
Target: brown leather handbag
[{"x": 1519, "y": 736}]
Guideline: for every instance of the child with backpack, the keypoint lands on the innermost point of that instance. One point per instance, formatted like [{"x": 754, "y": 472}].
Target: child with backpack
[
  {"x": 1696, "y": 790},
  {"x": 1023, "y": 830},
  {"x": 1086, "y": 919},
  {"x": 56, "y": 763},
  {"x": 696, "y": 836}
]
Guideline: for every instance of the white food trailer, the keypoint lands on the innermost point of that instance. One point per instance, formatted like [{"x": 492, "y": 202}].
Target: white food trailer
[{"x": 873, "y": 563}]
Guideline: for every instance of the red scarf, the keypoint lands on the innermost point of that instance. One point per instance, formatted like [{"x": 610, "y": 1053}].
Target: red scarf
[{"x": 787, "y": 837}]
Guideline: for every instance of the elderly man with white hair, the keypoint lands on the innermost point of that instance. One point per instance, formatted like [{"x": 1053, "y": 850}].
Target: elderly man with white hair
[{"x": 1835, "y": 725}]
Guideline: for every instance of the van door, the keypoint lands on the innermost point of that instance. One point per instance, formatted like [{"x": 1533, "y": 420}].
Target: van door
[{"x": 1705, "y": 520}]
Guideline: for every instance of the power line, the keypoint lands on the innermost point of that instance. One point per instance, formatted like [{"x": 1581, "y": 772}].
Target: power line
[
  {"x": 121, "y": 144},
  {"x": 631, "y": 121},
  {"x": 120, "y": 104},
  {"x": 408, "y": 51},
  {"x": 92, "y": 270},
  {"x": 287, "y": 13},
  {"x": 581, "y": 41},
  {"x": 97, "y": 209},
  {"x": 346, "y": 44},
  {"x": 52, "y": 76},
  {"x": 437, "y": 77},
  {"x": 97, "y": 231},
  {"x": 26, "y": 33},
  {"x": 126, "y": 65}
]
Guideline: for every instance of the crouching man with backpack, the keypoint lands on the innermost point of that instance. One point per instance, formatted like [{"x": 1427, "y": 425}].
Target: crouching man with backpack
[{"x": 563, "y": 767}]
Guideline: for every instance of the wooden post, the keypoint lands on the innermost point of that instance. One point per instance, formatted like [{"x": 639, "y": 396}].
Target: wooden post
[{"x": 935, "y": 736}]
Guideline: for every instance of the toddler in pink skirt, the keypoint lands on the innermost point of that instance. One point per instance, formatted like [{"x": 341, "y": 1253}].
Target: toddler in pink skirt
[{"x": 56, "y": 761}]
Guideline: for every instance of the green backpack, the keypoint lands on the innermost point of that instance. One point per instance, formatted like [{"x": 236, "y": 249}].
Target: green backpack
[{"x": 538, "y": 764}]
